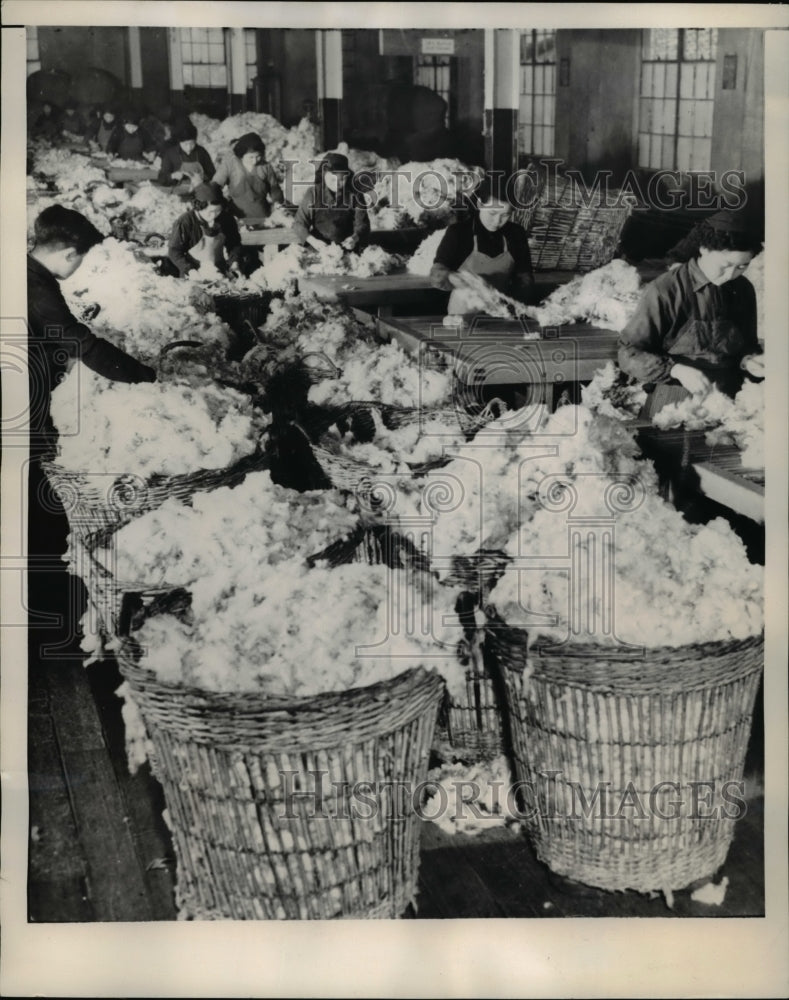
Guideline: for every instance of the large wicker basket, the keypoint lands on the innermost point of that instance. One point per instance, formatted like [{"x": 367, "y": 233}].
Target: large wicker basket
[
  {"x": 254, "y": 836},
  {"x": 98, "y": 503},
  {"x": 630, "y": 764},
  {"x": 574, "y": 230}
]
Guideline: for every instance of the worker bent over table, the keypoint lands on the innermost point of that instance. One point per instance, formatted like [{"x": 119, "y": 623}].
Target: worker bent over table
[
  {"x": 695, "y": 327},
  {"x": 488, "y": 244},
  {"x": 206, "y": 234},
  {"x": 331, "y": 211}
]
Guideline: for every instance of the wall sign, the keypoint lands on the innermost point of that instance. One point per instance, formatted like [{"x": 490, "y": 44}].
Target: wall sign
[{"x": 438, "y": 46}]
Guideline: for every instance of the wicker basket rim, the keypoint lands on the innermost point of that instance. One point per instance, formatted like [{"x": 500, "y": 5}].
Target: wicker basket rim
[
  {"x": 698, "y": 650},
  {"x": 158, "y": 480},
  {"x": 255, "y": 702}
]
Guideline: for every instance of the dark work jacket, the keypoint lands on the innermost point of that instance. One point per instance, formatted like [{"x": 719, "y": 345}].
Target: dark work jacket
[
  {"x": 128, "y": 146},
  {"x": 173, "y": 158},
  {"x": 457, "y": 244},
  {"x": 331, "y": 217},
  {"x": 685, "y": 319},
  {"x": 187, "y": 233},
  {"x": 56, "y": 338}
]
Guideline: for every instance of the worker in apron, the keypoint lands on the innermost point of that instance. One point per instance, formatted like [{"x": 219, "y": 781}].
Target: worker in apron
[
  {"x": 695, "y": 327},
  {"x": 489, "y": 244},
  {"x": 695, "y": 330},
  {"x": 206, "y": 236}
]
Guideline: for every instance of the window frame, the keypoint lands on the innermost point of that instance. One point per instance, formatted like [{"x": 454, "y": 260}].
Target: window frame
[{"x": 676, "y": 135}]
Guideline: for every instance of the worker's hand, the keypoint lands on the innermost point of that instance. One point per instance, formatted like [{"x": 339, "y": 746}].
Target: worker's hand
[
  {"x": 150, "y": 156},
  {"x": 178, "y": 175},
  {"x": 692, "y": 379},
  {"x": 315, "y": 243},
  {"x": 234, "y": 271},
  {"x": 753, "y": 364},
  {"x": 349, "y": 243}
]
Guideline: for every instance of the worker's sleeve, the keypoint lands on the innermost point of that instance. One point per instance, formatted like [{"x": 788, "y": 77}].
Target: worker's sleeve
[
  {"x": 439, "y": 277},
  {"x": 205, "y": 162},
  {"x": 518, "y": 243},
  {"x": 361, "y": 220},
  {"x": 274, "y": 189},
  {"x": 53, "y": 315},
  {"x": 110, "y": 361},
  {"x": 114, "y": 142},
  {"x": 232, "y": 237},
  {"x": 222, "y": 175},
  {"x": 167, "y": 167},
  {"x": 455, "y": 246},
  {"x": 179, "y": 245},
  {"x": 522, "y": 285},
  {"x": 305, "y": 216},
  {"x": 641, "y": 345}
]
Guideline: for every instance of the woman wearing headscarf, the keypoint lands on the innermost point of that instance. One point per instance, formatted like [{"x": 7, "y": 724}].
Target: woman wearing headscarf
[
  {"x": 252, "y": 185},
  {"x": 331, "y": 210},
  {"x": 487, "y": 243},
  {"x": 695, "y": 327},
  {"x": 184, "y": 158},
  {"x": 206, "y": 234},
  {"x": 128, "y": 142},
  {"x": 102, "y": 128}
]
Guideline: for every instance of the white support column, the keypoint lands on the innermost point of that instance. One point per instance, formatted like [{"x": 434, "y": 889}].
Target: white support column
[
  {"x": 176, "y": 66},
  {"x": 328, "y": 51},
  {"x": 502, "y": 98},
  {"x": 135, "y": 59},
  {"x": 238, "y": 70}
]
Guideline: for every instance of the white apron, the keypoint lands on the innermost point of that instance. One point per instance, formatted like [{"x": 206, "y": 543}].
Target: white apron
[{"x": 497, "y": 270}]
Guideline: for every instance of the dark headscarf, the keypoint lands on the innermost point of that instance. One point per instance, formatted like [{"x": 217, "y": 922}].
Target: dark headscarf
[
  {"x": 183, "y": 131},
  {"x": 251, "y": 142}
]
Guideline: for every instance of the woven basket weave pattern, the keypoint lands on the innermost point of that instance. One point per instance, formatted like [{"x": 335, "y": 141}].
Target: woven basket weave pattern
[
  {"x": 568, "y": 232},
  {"x": 678, "y": 715},
  {"x": 247, "y": 849}
]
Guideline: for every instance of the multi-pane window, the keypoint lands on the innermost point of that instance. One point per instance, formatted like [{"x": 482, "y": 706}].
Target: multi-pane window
[
  {"x": 435, "y": 72},
  {"x": 537, "y": 110},
  {"x": 252, "y": 54},
  {"x": 677, "y": 98},
  {"x": 205, "y": 56},
  {"x": 33, "y": 60}
]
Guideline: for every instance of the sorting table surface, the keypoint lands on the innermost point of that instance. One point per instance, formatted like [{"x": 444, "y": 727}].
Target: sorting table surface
[{"x": 497, "y": 350}]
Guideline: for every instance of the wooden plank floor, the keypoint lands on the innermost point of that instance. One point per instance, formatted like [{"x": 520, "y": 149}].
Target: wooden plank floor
[{"x": 99, "y": 850}]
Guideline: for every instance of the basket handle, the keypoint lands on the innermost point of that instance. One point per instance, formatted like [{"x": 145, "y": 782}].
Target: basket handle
[
  {"x": 334, "y": 369},
  {"x": 488, "y": 413},
  {"x": 175, "y": 344}
]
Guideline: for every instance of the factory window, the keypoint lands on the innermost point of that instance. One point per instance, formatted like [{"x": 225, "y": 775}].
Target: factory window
[
  {"x": 677, "y": 98},
  {"x": 205, "y": 56},
  {"x": 204, "y": 59},
  {"x": 33, "y": 60},
  {"x": 250, "y": 38},
  {"x": 537, "y": 110},
  {"x": 436, "y": 72}
]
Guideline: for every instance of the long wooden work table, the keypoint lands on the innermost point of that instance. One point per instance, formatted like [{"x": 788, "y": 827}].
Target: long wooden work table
[{"x": 495, "y": 351}]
